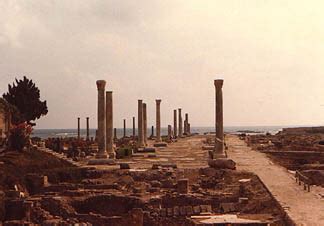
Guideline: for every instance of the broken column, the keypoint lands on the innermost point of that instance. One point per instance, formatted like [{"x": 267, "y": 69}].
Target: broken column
[
  {"x": 115, "y": 134},
  {"x": 180, "y": 123},
  {"x": 78, "y": 128},
  {"x": 124, "y": 133},
  {"x": 175, "y": 126},
  {"x": 133, "y": 127},
  {"x": 145, "y": 123},
  {"x": 158, "y": 121},
  {"x": 88, "y": 136},
  {"x": 109, "y": 125},
  {"x": 169, "y": 132},
  {"x": 140, "y": 124},
  {"x": 219, "y": 139},
  {"x": 101, "y": 120}
]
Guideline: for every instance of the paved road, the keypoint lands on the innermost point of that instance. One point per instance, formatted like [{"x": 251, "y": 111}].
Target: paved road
[{"x": 304, "y": 208}]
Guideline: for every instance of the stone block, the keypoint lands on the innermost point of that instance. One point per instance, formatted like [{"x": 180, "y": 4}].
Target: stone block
[
  {"x": 196, "y": 209},
  {"x": 163, "y": 212},
  {"x": 189, "y": 210},
  {"x": 124, "y": 166},
  {"x": 176, "y": 211},
  {"x": 222, "y": 163},
  {"x": 160, "y": 144},
  {"x": 183, "y": 186},
  {"x": 182, "y": 211},
  {"x": 101, "y": 162},
  {"x": 169, "y": 212}
]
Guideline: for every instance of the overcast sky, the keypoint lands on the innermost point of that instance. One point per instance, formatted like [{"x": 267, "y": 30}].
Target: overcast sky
[{"x": 270, "y": 54}]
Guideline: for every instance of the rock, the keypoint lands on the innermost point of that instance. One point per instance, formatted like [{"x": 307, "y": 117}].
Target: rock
[
  {"x": 124, "y": 166},
  {"x": 167, "y": 183},
  {"x": 156, "y": 183},
  {"x": 222, "y": 163}
]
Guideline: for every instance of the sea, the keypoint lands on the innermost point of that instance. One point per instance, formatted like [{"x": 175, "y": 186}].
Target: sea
[{"x": 54, "y": 133}]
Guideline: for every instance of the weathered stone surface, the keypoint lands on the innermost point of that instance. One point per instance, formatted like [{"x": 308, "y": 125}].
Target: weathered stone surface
[
  {"x": 160, "y": 144},
  {"x": 183, "y": 186},
  {"x": 222, "y": 163}
]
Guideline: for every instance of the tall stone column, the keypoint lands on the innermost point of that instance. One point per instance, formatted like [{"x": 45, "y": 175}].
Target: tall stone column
[
  {"x": 101, "y": 120},
  {"x": 78, "y": 128},
  {"x": 115, "y": 134},
  {"x": 140, "y": 124},
  {"x": 88, "y": 134},
  {"x": 109, "y": 125},
  {"x": 133, "y": 127},
  {"x": 180, "y": 123},
  {"x": 175, "y": 124},
  {"x": 219, "y": 140},
  {"x": 158, "y": 121},
  {"x": 152, "y": 131},
  {"x": 145, "y": 123},
  {"x": 124, "y": 131}
]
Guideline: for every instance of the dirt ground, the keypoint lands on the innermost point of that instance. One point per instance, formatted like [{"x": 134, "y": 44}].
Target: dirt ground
[{"x": 304, "y": 208}]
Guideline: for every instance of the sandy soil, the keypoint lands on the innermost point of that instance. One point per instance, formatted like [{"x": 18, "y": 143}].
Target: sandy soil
[{"x": 304, "y": 208}]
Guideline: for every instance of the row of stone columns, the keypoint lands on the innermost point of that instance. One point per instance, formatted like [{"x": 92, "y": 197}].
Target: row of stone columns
[{"x": 87, "y": 129}]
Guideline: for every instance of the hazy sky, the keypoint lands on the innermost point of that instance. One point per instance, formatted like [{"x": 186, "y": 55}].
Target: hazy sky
[{"x": 270, "y": 54}]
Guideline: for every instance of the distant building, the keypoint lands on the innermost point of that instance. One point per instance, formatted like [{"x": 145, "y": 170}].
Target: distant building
[{"x": 4, "y": 118}]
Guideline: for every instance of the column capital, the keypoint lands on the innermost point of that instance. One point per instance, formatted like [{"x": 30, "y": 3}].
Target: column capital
[
  {"x": 101, "y": 84},
  {"x": 158, "y": 101},
  {"x": 109, "y": 91},
  {"x": 218, "y": 83}
]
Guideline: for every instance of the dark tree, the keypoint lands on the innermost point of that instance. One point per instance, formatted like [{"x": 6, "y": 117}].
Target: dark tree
[{"x": 25, "y": 96}]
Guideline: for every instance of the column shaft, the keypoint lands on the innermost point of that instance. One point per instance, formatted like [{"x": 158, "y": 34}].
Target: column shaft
[
  {"x": 88, "y": 134},
  {"x": 158, "y": 121},
  {"x": 109, "y": 125},
  {"x": 180, "y": 123},
  {"x": 101, "y": 120},
  {"x": 145, "y": 123},
  {"x": 175, "y": 124},
  {"x": 78, "y": 128},
  {"x": 140, "y": 124}
]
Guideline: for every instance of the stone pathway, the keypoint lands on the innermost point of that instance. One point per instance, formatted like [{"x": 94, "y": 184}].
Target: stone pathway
[
  {"x": 186, "y": 153},
  {"x": 304, "y": 208}
]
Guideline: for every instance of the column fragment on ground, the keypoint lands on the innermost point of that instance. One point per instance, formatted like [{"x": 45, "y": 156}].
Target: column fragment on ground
[
  {"x": 140, "y": 124},
  {"x": 158, "y": 121},
  {"x": 180, "y": 123},
  {"x": 88, "y": 134},
  {"x": 145, "y": 123},
  {"x": 219, "y": 139},
  {"x": 101, "y": 120},
  {"x": 109, "y": 125},
  {"x": 175, "y": 124}
]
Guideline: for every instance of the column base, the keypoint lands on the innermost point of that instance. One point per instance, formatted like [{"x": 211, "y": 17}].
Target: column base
[
  {"x": 112, "y": 155},
  {"x": 103, "y": 155}
]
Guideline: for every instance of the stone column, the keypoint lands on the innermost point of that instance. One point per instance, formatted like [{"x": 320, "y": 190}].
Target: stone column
[
  {"x": 140, "y": 124},
  {"x": 175, "y": 124},
  {"x": 145, "y": 123},
  {"x": 124, "y": 131},
  {"x": 152, "y": 131},
  {"x": 169, "y": 132},
  {"x": 158, "y": 121},
  {"x": 180, "y": 123},
  {"x": 219, "y": 140},
  {"x": 109, "y": 125},
  {"x": 133, "y": 127},
  {"x": 101, "y": 120},
  {"x": 189, "y": 130},
  {"x": 78, "y": 128},
  {"x": 115, "y": 134},
  {"x": 88, "y": 134},
  {"x": 186, "y": 124}
]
